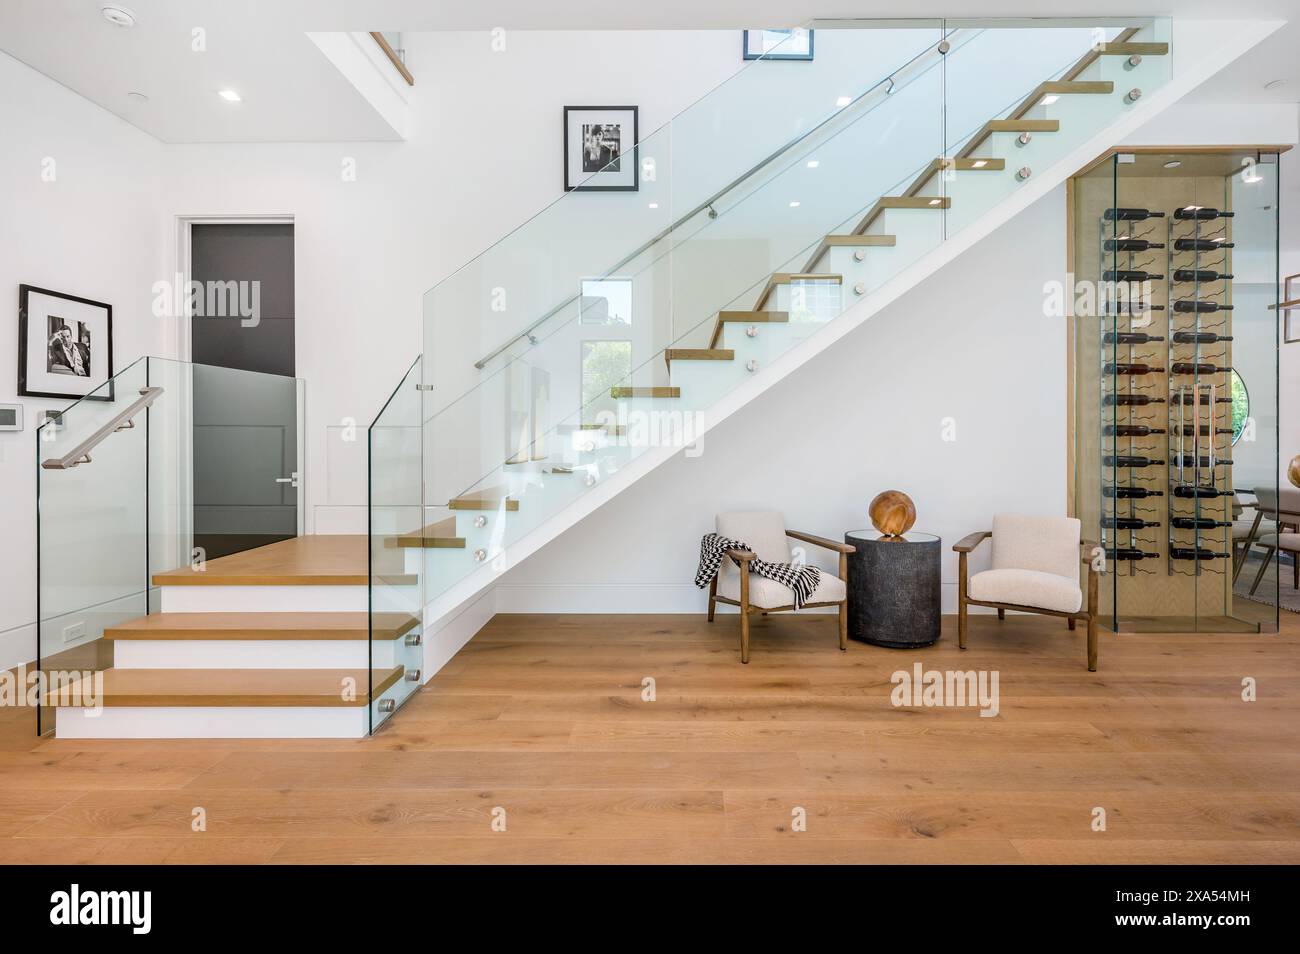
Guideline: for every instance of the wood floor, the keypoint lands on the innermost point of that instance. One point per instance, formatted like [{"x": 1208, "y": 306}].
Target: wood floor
[{"x": 543, "y": 717}]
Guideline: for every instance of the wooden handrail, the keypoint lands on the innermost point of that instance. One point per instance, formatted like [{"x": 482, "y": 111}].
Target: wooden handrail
[
  {"x": 393, "y": 57},
  {"x": 81, "y": 453}
]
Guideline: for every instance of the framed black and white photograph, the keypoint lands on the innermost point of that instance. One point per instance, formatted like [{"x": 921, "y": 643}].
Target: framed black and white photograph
[
  {"x": 600, "y": 149},
  {"x": 793, "y": 44},
  {"x": 65, "y": 344}
]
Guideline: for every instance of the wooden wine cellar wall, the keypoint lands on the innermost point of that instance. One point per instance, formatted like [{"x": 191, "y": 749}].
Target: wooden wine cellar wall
[{"x": 1156, "y": 591}]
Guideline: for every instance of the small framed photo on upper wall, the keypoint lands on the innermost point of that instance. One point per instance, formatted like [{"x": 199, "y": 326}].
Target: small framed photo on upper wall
[
  {"x": 65, "y": 344},
  {"x": 600, "y": 149},
  {"x": 793, "y": 44}
]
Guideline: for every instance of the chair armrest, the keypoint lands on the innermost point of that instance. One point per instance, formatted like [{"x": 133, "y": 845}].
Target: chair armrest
[
  {"x": 820, "y": 541},
  {"x": 742, "y": 556},
  {"x": 968, "y": 543},
  {"x": 1085, "y": 551}
]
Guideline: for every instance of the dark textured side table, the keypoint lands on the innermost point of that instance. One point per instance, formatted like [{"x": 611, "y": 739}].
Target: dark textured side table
[{"x": 893, "y": 588}]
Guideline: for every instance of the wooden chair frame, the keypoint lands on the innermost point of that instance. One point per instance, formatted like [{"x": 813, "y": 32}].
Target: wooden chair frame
[
  {"x": 967, "y": 544},
  {"x": 743, "y": 557}
]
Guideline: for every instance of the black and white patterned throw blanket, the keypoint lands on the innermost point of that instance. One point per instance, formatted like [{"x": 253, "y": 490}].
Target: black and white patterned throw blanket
[{"x": 801, "y": 580}]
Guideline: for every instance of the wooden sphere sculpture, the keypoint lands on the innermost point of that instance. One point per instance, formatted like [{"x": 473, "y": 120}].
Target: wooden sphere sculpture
[
  {"x": 892, "y": 513},
  {"x": 1293, "y": 471}
]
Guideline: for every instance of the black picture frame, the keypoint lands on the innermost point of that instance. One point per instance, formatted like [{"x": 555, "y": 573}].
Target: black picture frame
[
  {"x": 745, "y": 54},
  {"x": 632, "y": 172},
  {"x": 24, "y": 390}
]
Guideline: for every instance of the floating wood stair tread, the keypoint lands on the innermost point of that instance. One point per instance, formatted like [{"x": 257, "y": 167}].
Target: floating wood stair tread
[
  {"x": 854, "y": 240},
  {"x": 655, "y": 392},
  {"x": 886, "y": 202},
  {"x": 1132, "y": 49},
  {"x": 435, "y": 536},
  {"x": 749, "y": 318},
  {"x": 697, "y": 354},
  {"x": 793, "y": 278},
  {"x": 493, "y": 498},
  {"x": 341, "y": 559},
  {"x": 958, "y": 164},
  {"x": 1072, "y": 87},
  {"x": 1023, "y": 125},
  {"x": 231, "y": 687},
  {"x": 261, "y": 626}
]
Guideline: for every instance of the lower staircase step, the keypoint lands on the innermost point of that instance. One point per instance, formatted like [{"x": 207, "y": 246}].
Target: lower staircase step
[
  {"x": 697, "y": 354},
  {"x": 311, "y": 688},
  {"x": 494, "y": 498},
  {"x": 440, "y": 536},
  {"x": 261, "y": 626},
  {"x": 748, "y": 317}
]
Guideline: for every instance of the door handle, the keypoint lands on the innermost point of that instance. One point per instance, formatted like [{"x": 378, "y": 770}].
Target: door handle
[{"x": 292, "y": 479}]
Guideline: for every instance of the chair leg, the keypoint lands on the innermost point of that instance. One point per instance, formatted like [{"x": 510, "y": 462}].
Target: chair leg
[
  {"x": 1263, "y": 568},
  {"x": 744, "y": 613},
  {"x": 1070, "y": 622},
  {"x": 844, "y": 626},
  {"x": 1002, "y": 614},
  {"x": 961, "y": 601},
  {"x": 713, "y": 598},
  {"x": 1092, "y": 643},
  {"x": 1295, "y": 570}
]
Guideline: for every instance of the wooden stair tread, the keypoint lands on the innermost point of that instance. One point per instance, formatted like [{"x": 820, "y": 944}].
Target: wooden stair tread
[
  {"x": 232, "y": 687},
  {"x": 886, "y": 202},
  {"x": 654, "y": 392},
  {"x": 749, "y": 317},
  {"x": 790, "y": 278},
  {"x": 341, "y": 559},
  {"x": 261, "y": 626},
  {"x": 434, "y": 536},
  {"x": 960, "y": 164},
  {"x": 1023, "y": 125},
  {"x": 1072, "y": 87},
  {"x": 1131, "y": 48},
  {"x": 490, "y": 499},
  {"x": 697, "y": 354},
  {"x": 853, "y": 240}
]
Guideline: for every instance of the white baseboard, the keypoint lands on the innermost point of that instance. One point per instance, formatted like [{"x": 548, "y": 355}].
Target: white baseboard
[{"x": 214, "y": 722}]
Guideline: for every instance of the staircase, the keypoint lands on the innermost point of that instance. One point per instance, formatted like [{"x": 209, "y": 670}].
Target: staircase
[{"x": 752, "y": 243}]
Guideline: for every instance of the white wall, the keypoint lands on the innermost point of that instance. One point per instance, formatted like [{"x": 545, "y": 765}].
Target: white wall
[{"x": 95, "y": 231}]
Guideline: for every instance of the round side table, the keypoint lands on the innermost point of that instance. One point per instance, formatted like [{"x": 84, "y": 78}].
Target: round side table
[{"x": 893, "y": 588}]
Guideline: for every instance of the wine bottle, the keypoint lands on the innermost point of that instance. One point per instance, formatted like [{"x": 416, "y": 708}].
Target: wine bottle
[
  {"x": 1198, "y": 337},
  {"x": 1130, "y": 460},
  {"x": 1130, "y": 400},
  {"x": 1130, "y": 493},
  {"x": 1129, "y": 337},
  {"x": 1130, "y": 215},
  {"x": 1127, "y": 523},
  {"x": 1127, "y": 308},
  {"x": 1131, "y": 369},
  {"x": 1198, "y": 491},
  {"x": 1202, "y": 307},
  {"x": 1195, "y": 367},
  {"x": 1200, "y": 275},
  {"x": 1201, "y": 244},
  {"x": 1195, "y": 553},
  {"x": 1130, "y": 245},
  {"x": 1191, "y": 430},
  {"x": 1191, "y": 460},
  {"x": 1186, "y": 399},
  {"x": 1129, "y": 553},
  {"x": 1129, "y": 275},
  {"x": 1200, "y": 213},
  {"x": 1197, "y": 523},
  {"x": 1130, "y": 430}
]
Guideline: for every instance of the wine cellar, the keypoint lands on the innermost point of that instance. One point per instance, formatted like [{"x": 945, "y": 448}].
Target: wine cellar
[{"x": 1174, "y": 360}]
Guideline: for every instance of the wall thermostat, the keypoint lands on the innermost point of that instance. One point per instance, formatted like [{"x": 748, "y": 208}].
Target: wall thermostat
[{"x": 11, "y": 417}]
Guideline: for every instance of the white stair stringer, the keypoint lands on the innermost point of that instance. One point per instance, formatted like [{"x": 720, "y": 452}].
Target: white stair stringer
[{"x": 1201, "y": 49}]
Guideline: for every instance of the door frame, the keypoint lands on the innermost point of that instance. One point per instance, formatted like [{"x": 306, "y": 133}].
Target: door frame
[{"x": 181, "y": 343}]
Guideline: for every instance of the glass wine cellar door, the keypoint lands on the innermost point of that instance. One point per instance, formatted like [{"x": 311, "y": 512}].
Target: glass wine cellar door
[{"x": 1175, "y": 340}]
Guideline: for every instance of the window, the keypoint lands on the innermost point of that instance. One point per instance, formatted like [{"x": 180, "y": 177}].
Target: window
[{"x": 605, "y": 365}]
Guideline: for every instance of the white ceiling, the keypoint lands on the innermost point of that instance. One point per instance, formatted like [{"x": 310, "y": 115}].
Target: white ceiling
[{"x": 293, "y": 93}]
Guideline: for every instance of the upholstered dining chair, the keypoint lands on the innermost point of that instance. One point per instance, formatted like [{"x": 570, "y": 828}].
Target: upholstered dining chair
[
  {"x": 1035, "y": 569},
  {"x": 734, "y": 585},
  {"x": 1277, "y": 512}
]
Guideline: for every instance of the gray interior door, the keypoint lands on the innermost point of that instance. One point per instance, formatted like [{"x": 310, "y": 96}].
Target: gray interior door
[{"x": 245, "y": 394}]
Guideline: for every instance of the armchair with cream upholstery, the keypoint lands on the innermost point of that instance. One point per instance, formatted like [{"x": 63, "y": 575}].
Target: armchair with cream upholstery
[
  {"x": 1035, "y": 569},
  {"x": 765, "y": 531}
]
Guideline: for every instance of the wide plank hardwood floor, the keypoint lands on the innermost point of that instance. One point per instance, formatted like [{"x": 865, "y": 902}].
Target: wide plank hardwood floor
[{"x": 541, "y": 721}]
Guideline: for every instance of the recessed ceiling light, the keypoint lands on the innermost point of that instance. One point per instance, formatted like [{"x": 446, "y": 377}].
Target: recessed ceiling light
[
  {"x": 1049, "y": 99},
  {"x": 843, "y": 101},
  {"x": 1274, "y": 84},
  {"x": 1173, "y": 163},
  {"x": 229, "y": 95},
  {"x": 117, "y": 14},
  {"x": 137, "y": 97},
  {"x": 814, "y": 163},
  {"x": 794, "y": 204},
  {"x": 654, "y": 205}
]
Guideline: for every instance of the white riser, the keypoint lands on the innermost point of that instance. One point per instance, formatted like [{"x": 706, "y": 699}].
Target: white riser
[
  {"x": 217, "y": 722},
  {"x": 250, "y": 654},
  {"x": 820, "y": 301},
  {"x": 264, "y": 599}
]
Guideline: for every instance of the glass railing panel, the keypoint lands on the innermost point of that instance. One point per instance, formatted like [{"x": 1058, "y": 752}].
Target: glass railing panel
[
  {"x": 92, "y": 526},
  {"x": 398, "y": 533}
]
